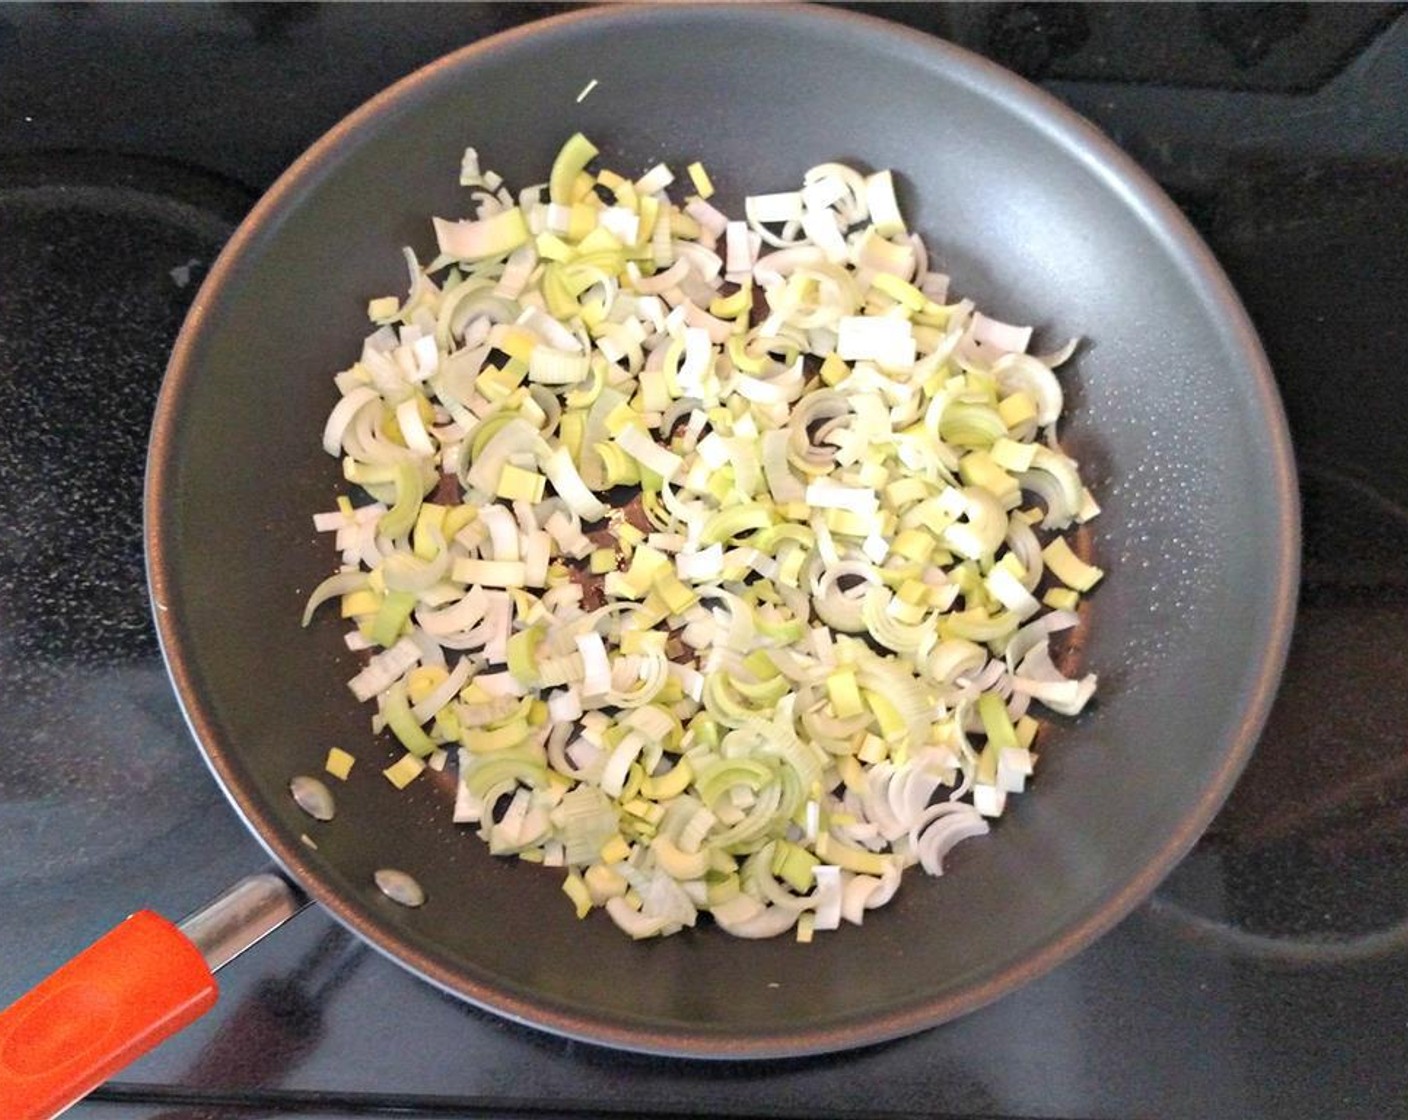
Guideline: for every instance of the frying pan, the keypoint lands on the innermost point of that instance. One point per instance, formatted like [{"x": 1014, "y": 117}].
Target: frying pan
[{"x": 1173, "y": 416}]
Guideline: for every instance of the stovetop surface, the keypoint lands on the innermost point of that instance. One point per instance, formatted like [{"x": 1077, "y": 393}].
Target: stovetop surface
[{"x": 1268, "y": 976}]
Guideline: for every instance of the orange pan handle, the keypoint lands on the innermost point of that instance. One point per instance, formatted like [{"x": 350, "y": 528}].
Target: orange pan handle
[{"x": 131, "y": 989}]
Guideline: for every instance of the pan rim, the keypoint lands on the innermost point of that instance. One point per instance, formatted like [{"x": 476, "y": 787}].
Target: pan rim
[{"x": 1054, "y": 120}]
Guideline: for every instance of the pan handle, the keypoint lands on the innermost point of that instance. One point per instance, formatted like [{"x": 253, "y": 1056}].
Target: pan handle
[{"x": 127, "y": 992}]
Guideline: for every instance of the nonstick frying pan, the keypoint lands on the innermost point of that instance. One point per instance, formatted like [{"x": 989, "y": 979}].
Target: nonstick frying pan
[{"x": 1173, "y": 416}]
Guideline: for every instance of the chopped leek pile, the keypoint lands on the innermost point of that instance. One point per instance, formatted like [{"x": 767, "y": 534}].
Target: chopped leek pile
[{"x": 720, "y": 557}]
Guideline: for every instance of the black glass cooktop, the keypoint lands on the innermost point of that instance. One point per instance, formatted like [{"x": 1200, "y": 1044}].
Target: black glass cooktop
[{"x": 1268, "y": 977}]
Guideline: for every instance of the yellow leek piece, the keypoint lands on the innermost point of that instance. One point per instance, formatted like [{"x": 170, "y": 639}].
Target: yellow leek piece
[
  {"x": 404, "y": 770},
  {"x": 357, "y": 604},
  {"x": 575, "y": 888},
  {"x": 645, "y": 810},
  {"x": 997, "y": 724},
  {"x": 431, "y": 518},
  {"x": 604, "y": 247},
  {"x": 913, "y": 544},
  {"x": 643, "y": 641},
  {"x": 678, "y": 596},
  {"x": 615, "y": 850},
  {"x": 682, "y": 225},
  {"x": 519, "y": 485},
  {"x": 914, "y": 591},
  {"x": 409, "y": 486},
  {"x": 522, "y": 653},
  {"x": 903, "y": 491},
  {"x": 762, "y": 693},
  {"x": 832, "y": 850},
  {"x": 702, "y": 183},
  {"x": 572, "y": 159},
  {"x": 339, "y": 763},
  {"x": 1011, "y": 454},
  {"x": 721, "y": 484},
  {"x": 620, "y": 468},
  {"x": 529, "y": 607},
  {"x": 604, "y": 883},
  {"x": 873, "y": 749},
  {"x": 423, "y": 680},
  {"x": 582, "y": 190},
  {"x": 742, "y": 360},
  {"x": 447, "y": 725},
  {"x": 602, "y": 560},
  {"x": 901, "y": 291},
  {"x": 578, "y": 400},
  {"x": 1017, "y": 409},
  {"x": 634, "y": 777},
  {"x": 628, "y": 534},
  {"x": 731, "y": 306},
  {"x": 1061, "y": 599},
  {"x": 761, "y": 665},
  {"x": 848, "y": 523},
  {"x": 553, "y": 248},
  {"x": 1026, "y": 729},
  {"x": 1013, "y": 565},
  {"x": 484, "y": 740},
  {"x": 391, "y": 617},
  {"x": 516, "y": 342},
  {"x": 570, "y": 431},
  {"x": 620, "y": 418},
  {"x": 933, "y": 514},
  {"x": 1069, "y": 568},
  {"x": 649, "y": 210},
  {"x": 734, "y": 521},
  {"x": 559, "y": 300},
  {"x": 834, "y": 369},
  {"x": 794, "y": 865},
  {"x": 670, "y": 784},
  {"x": 647, "y": 564},
  {"x": 495, "y": 384},
  {"x": 593, "y": 314},
  {"x": 581, "y": 221},
  {"x": 844, "y": 693},
  {"x": 978, "y": 468},
  {"x": 789, "y": 569},
  {"x": 485, "y": 238},
  {"x": 385, "y": 307}
]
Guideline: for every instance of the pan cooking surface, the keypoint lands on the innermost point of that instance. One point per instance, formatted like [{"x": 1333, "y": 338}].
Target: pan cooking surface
[{"x": 1037, "y": 218}]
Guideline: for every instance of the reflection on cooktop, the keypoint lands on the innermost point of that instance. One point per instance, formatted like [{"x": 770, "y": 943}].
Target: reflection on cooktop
[
  {"x": 101, "y": 260},
  {"x": 1324, "y": 794}
]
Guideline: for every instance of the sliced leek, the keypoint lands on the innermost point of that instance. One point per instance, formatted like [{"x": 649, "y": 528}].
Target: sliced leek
[{"x": 807, "y": 665}]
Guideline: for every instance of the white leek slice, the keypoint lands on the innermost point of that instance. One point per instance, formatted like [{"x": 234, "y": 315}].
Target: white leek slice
[
  {"x": 495, "y": 236},
  {"x": 636, "y": 443},
  {"x": 887, "y": 341},
  {"x": 884, "y": 208},
  {"x": 384, "y": 670}
]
